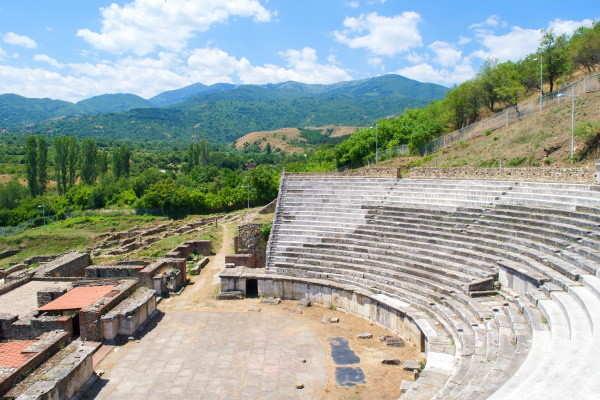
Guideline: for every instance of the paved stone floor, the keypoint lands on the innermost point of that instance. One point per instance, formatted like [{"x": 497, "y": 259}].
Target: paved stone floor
[
  {"x": 217, "y": 355},
  {"x": 23, "y": 300}
]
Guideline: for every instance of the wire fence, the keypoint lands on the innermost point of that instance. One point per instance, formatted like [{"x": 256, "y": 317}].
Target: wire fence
[
  {"x": 512, "y": 114},
  {"x": 590, "y": 83}
]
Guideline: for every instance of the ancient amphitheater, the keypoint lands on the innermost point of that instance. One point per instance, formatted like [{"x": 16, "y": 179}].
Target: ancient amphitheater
[{"x": 495, "y": 281}]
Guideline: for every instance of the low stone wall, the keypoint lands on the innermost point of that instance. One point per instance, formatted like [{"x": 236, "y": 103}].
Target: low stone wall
[
  {"x": 114, "y": 271},
  {"x": 379, "y": 309},
  {"x": 13, "y": 328},
  {"x": 153, "y": 275},
  {"x": 241, "y": 260},
  {"x": 8, "y": 253},
  {"x": 14, "y": 283},
  {"x": 129, "y": 315},
  {"x": 64, "y": 380},
  {"x": 391, "y": 172},
  {"x": 550, "y": 175},
  {"x": 70, "y": 264}
]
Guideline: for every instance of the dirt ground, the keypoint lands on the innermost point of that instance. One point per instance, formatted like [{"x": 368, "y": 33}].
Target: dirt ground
[
  {"x": 383, "y": 381},
  {"x": 281, "y": 138}
]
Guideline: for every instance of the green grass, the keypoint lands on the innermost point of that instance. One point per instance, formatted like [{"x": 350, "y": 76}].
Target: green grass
[{"x": 71, "y": 234}]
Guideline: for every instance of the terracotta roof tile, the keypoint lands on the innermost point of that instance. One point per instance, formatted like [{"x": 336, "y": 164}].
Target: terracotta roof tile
[
  {"x": 12, "y": 355},
  {"x": 78, "y": 298}
]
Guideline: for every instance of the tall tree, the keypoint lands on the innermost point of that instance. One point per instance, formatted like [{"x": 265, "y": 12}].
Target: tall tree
[
  {"x": 555, "y": 57},
  {"x": 72, "y": 161},
  {"x": 102, "y": 162},
  {"x": 120, "y": 159},
  {"x": 42, "y": 164},
  {"x": 61, "y": 156},
  {"x": 204, "y": 152},
  {"x": 584, "y": 47},
  {"x": 31, "y": 159},
  {"x": 89, "y": 159}
]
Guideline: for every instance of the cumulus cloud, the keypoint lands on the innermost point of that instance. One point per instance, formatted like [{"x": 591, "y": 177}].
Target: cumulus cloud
[
  {"x": 445, "y": 54},
  {"x": 148, "y": 76},
  {"x": 381, "y": 35},
  {"x": 142, "y": 26},
  {"x": 302, "y": 65},
  {"x": 43, "y": 58},
  {"x": 20, "y": 40},
  {"x": 519, "y": 42},
  {"x": 352, "y": 4},
  {"x": 426, "y": 73},
  {"x": 561, "y": 26}
]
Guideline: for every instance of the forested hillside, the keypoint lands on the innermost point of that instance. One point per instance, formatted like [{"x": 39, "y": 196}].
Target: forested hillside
[{"x": 224, "y": 113}]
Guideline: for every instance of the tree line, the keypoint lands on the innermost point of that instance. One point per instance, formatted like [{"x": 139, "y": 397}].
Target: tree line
[{"x": 496, "y": 86}]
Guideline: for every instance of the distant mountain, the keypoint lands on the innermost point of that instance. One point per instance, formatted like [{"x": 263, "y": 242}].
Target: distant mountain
[
  {"x": 223, "y": 113},
  {"x": 17, "y": 110},
  {"x": 175, "y": 96},
  {"x": 117, "y": 102}
]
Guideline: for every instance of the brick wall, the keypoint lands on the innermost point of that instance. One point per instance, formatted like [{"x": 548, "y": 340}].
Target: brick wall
[
  {"x": 90, "y": 327},
  {"x": 241, "y": 260},
  {"x": 558, "y": 175}
]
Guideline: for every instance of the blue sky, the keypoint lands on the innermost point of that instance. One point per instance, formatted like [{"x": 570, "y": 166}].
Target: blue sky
[{"x": 72, "y": 50}]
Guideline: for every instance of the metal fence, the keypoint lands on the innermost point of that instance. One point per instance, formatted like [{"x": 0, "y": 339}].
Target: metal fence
[{"x": 588, "y": 84}]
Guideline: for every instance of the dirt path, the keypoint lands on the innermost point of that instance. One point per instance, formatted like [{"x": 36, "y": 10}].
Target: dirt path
[{"x": 199, "y": 295}]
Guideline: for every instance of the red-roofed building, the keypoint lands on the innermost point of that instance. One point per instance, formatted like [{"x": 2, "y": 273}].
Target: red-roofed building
[{"x": 79, "y": 297}]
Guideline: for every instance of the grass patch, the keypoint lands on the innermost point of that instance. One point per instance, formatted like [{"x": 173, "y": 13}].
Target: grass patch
[{"x": 71, "y": 234}]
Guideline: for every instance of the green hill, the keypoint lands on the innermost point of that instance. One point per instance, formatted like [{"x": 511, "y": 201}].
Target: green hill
[
  {"x": 17, "y": 110},
  {"x": 117, "y": 102},
  {"x": 225, "y": 115}
]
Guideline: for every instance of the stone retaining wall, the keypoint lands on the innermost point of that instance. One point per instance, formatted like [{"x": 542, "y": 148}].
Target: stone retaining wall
[
  {"x": 391, "y": 172},
  {"x": 70, "y": 264},
  {"x": 551, "y": 175},
  {"x": 64, "y": 380},
  {"x": 353, "y": 300},
  {"x": 129, "y": 315}
]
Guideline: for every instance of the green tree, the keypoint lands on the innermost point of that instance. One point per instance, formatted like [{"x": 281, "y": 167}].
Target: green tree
[
  {"x": 42, "y": 164},
  {"x": 72, "y": 161},
  {"x": 555, "y": 57},
  {"x": 61, "y": 156},
  {"x": 102, "y": 162},
  {"x": 89, "y": 160},
  {"x": 204, "y": 152},
  {"x": 120, "y": 158},
  {"x": 584, "y": 47},
  {"x": 31, "y": 163}
]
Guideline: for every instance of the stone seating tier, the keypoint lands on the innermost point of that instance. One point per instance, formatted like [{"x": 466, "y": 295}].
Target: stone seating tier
[{"x": 424, "y": 241}]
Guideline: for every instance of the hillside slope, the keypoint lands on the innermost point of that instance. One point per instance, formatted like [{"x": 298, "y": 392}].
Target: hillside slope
[
  {"x": 522, "y": 143},
  {"x": 226, "y": 115}
]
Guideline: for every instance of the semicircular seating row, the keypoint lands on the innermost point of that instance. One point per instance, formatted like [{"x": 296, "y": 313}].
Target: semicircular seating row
[{"x": 441, "y": 247}]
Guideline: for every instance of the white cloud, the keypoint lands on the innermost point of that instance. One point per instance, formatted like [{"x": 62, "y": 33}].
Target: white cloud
[
  {"x": 415, "y": 58},
  {"x": 142, "y": 26},
  {"x": 464, "y": 40},
  {"x": 2, "y": 53},
  {"x": 148, "y": 76},
  {"x": 302, "y": 65},
  {"x": 375, "y": 61},
  {"x": 492, "y": 21},
  {"x": 426, "y": 73},
  {"x": 43, "y": 58},
  {"x": 560, "y": 26},
  {"x": 520, "y": 42},
  {"x": 380, "y": 34},
  {"x": 20, "y": 40},
  {"x": 352, "y": 4},
  {"x": 445, "y": 54}
]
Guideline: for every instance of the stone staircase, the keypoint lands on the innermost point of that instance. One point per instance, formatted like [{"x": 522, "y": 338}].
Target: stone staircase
[{"x": 503, "y": 274}]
